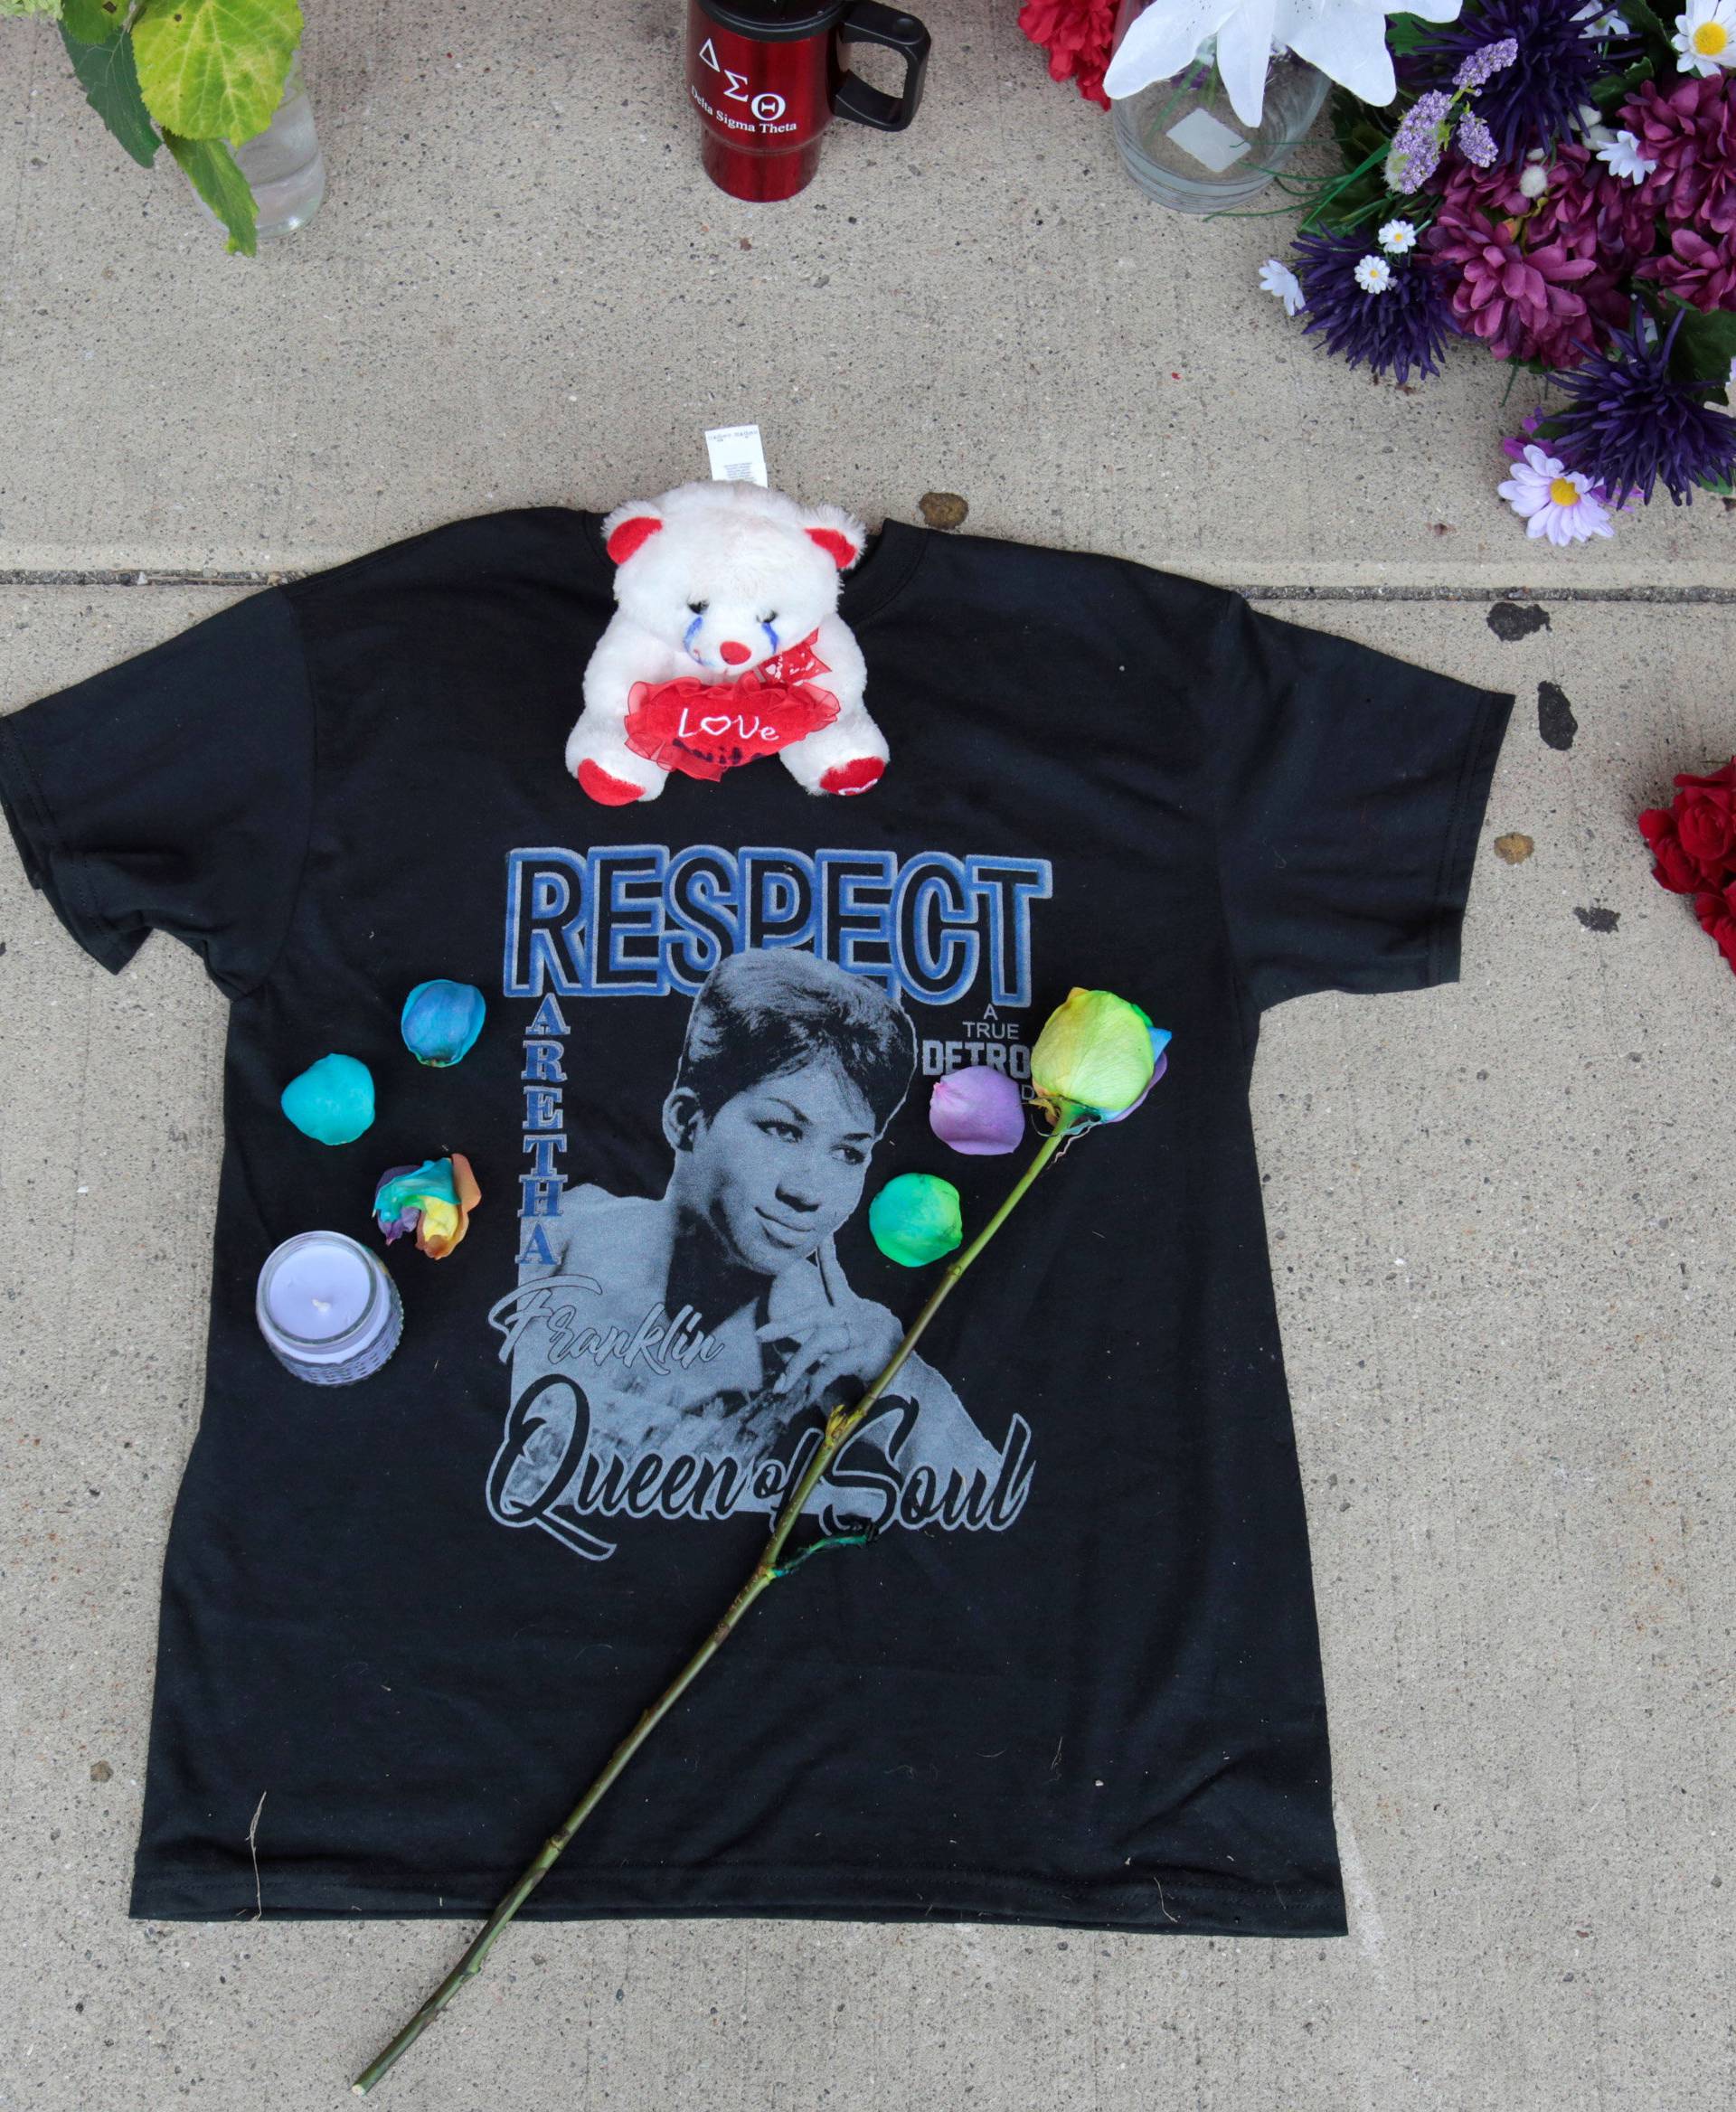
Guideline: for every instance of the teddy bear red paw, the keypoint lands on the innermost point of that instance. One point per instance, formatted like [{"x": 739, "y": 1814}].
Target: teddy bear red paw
[
  {"x": 606, "y": 790},
  {"x": 854, "y": 777}
]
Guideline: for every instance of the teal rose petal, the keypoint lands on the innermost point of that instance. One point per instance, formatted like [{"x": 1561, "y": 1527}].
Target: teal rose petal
[
  {"x": 915, "y": 1219},
  {"x": 332, "y": 1101},
  {"x": 441, "y": 1021}
]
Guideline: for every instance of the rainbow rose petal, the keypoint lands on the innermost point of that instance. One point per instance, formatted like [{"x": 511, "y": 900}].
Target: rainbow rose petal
[
  {"x": 434, "y": 1200},
  {"x": 1095, "y": 1051}
]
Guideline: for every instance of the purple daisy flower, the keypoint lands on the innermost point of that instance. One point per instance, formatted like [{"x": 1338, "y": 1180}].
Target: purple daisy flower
[
  {"x": 1632, "y": 426},
  {"x": 1533, "y": 101},
  {"x": 1402, "y": 324}
]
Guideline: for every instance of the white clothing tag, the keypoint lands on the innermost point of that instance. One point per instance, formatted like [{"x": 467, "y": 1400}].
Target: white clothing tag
[
  {"x": 1209, "y": 140},
  {"x": 737, "y": 457}
]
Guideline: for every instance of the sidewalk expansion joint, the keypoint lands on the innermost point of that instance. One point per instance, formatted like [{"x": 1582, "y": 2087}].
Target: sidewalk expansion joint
[{"x": 1259, "y": 591}]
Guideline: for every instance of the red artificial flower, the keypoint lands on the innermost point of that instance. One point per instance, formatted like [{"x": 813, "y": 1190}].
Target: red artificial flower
[
  {"x": 1077, "y": 36},
  {"x": 1717, "y": 915}
]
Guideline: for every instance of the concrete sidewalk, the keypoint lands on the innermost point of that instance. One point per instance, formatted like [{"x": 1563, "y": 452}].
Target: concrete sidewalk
[{"x": 1498, "y": 1211}]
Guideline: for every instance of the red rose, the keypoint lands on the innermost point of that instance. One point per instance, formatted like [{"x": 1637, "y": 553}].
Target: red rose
[
  {"x": 1672, "y": 866},
  {"x": 1705, "y": 822},
  {"x": 1723, "y": 780},
  {"x": 1717, "y": 915}
]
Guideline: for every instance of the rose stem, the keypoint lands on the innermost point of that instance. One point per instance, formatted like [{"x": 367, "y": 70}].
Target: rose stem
[{"x": 839, "y": 1426}]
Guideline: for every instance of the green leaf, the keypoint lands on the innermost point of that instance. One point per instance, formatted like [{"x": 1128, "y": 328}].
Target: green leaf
[
  {"x": 1704, "y": 346},
  {"x": 1405, "y": 33},
  {"x": 110, "y": 80},
  {"x": 1616, "y": 88},
  {"x": 1648, "y": 25},
  {"x": 30, "y": 7},
  {"x": 94, "y": 22},
  {"x": 210, "y": 169},
  {"x": 215, "y": 68}
]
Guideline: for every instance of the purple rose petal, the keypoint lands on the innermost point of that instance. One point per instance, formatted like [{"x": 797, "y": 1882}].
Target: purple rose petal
[{"x": 977, "y": 1110}]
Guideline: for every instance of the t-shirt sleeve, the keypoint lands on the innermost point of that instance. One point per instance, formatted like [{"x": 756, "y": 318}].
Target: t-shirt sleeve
[
  {"x": 174, "y": 792},
  {"x": 1348, "y": 789}
]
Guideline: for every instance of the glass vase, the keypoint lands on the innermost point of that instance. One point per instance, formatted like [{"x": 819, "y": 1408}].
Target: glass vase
[
  {"x": 284, "y": 167},
  {"x": 1185, "y": 147}
]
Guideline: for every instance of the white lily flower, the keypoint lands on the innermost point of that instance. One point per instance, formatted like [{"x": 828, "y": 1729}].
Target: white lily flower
[{"x": 1345, "y": 39}]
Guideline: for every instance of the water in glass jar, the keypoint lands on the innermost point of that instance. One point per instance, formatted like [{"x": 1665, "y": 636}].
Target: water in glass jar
[{"x": 283, "y": 164}]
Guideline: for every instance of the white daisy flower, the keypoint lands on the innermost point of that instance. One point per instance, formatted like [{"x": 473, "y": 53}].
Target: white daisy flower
[
  {"x": 1374, "y": 274},
  {"x": 1621, "y": 156},
  {"x": 1707, "y": 36},
  {"x": 1398, "y": 236},
  {"x": 1554, "y": 501},
  {"x": 1603, "y": 22},
  {"x": 1279, "y": 279}
]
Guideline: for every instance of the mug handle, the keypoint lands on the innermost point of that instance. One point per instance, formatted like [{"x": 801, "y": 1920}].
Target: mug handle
[{"x": 867, "y": 21}]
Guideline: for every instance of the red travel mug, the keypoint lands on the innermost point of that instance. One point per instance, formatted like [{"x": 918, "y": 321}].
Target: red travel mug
[{"x": 767, "y": 80}]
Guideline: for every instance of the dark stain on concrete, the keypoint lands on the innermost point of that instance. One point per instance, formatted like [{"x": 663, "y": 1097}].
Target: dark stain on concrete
[
  {"x": 1555, "y": 720},
  {"x": 1512, "y": 620},
  {"x": 1595, "y": 919}
]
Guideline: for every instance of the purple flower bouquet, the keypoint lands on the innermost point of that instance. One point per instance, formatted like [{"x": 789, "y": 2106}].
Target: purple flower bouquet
[{"x": 1557, "y": 180}]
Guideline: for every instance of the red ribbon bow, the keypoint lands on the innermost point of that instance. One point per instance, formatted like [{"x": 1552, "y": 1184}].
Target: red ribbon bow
[{"x": 705, "y": 728}]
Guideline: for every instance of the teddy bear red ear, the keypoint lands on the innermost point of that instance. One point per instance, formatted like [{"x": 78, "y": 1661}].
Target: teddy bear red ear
[
  {"x": 632, "y": 534},
  {"x": 836, "y": 545}
]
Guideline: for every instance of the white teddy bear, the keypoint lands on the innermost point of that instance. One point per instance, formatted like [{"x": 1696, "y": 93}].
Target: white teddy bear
[{"x": 725, "y": 645}]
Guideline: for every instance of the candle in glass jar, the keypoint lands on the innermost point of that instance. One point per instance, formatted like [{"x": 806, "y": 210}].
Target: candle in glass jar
[{"x": 327, "y": 1308}]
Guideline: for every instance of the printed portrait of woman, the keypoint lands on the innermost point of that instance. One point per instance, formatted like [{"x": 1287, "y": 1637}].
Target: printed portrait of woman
[{"x": 707, "y": 1320}]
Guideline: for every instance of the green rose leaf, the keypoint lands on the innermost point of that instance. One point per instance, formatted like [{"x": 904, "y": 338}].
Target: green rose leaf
[
  {"x": 210, "y": 169},
  {"x": 30, "y": 7},
  {"x": 102, "y": 59},
  {"x": 215, "y": 68}
]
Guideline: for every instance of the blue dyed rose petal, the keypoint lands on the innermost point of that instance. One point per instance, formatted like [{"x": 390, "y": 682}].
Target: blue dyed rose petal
[
  {"x": 332, "y": 1101},
  {"x": 441, "y": 1021}
]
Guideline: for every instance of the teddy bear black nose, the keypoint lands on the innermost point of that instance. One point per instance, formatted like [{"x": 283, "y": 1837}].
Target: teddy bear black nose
[{"x": 735, "y": 654}]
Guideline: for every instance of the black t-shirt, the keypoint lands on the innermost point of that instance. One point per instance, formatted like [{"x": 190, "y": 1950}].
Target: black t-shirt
[{"x": 1076, "y": 1677}]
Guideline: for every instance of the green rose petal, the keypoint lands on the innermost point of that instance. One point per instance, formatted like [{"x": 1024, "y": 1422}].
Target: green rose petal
[{"x": 915, "y": 1219}]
